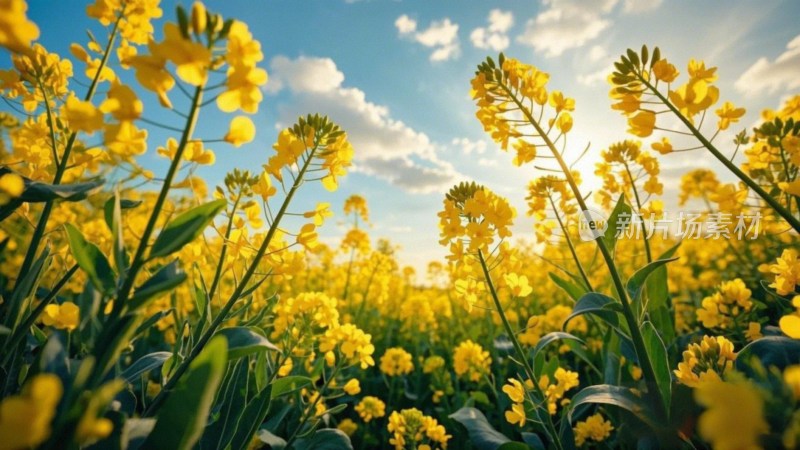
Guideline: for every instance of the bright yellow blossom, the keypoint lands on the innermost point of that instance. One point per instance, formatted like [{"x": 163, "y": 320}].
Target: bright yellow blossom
[
  {"x": 64, "y": 316},
  {"x": 594, "y": 429},
  {"x": 471, "y": 360},
  {"x": 734, "y": 418},
  {"x": 25, "y": 419},
  {"x": 370, "y": 408},
  {"x": 241, "y": 131},
  {"x": 396, "y": 361},
  {"x": 16, "y": 31}
]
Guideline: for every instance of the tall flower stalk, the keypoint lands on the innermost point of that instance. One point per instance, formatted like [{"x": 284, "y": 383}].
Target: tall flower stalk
[{"x": 512, "y": 99}]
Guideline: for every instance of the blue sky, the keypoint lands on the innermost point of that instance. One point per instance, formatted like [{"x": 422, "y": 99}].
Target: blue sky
[{"x": 395, "y": 75}]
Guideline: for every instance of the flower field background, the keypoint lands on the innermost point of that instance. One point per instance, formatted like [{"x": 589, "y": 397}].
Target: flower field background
[{"x": 150, "y": 310}]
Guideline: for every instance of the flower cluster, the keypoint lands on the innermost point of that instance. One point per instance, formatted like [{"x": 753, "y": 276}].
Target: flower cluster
[
  {"x": 471, "y": 361},
  {"x": 475, "y": 216},
  {"x": 504, "y": 91},
  {"x": 396, "y": 361},
  {"x": 625, "y": 165},
  {"x": 412, "y": 427},
  {"x": 352, "y": 343},
  {"x": 728, "y": 307},
  {"x": 706, "y": 361},
  {"x": 593, "y": 429}
]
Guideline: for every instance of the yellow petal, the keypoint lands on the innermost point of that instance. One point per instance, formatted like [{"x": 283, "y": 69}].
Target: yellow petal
[{"x": 790, "y": 325}]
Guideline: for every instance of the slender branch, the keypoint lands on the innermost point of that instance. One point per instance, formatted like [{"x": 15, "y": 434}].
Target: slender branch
[
  {"x": 520, "y": 353},
  {"x": 242, "y": 285},
  {"x": 627, "y": 310},
  {"x": 775, "y": 204}
]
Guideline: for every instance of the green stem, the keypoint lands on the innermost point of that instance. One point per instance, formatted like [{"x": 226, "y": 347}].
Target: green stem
[
  {"x": 61, "y": 167},
  {"x": 102, "y": 351},
  {"x": 20, "y": 332},
  {"x": 206, "y": 336},
  {"x": 139, "y": 260},
  {"x": 570, "y": 245},
  {"x": 772, "y": 202},
  {"x": 218, "y": 272},
  {"x": 349, "y": 273},
  {"x": 627, "y": 310},
  {"x": 520, "y": 352},
  {"x": 312, "y": 408},
  {"x": 639, "y": 213}
]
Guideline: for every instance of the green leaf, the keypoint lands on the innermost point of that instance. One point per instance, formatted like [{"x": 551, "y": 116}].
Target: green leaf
[
  {"x": 613, "y": 395},
  {"x": 287, "y": 385},
  {"x": 25, "y": 286},
  {"x": 778, "y": 351},
  {"x": 185, "y": 228},
  {"x": 254, "y": 415},
  {"x": 552, "y": 337},
  {"x": 183, "y": 416},
  {"x": 93, "y": 262},
  {"x": 575, "y": 291},
  {"x": 614, "y": 222},
  {"x": 611, "y": 356},
  {"x": 152, "y": 320},
  {"x": 480, "y": 397},
  {"x": 325, "y": 439},
  {"x": 533, "y": 440},
  {"x": 145, "y": 364},
  {"x": 336, "y": 409},
  {"x": 243, "y": 341},
  {"x": 166, "y": 279},
  {"x": 658, "y": 304},
  {"x": 514, "y": 446},
  {"x": 108, "y": 209},
  {"x": 599, "y": 305},
  {"x": 136, "y": 431},
  {"x": 657, "y": 353},
  {"x": 36, "y": 192},
  {"x": 274, "y": 442},
  {"x": 481, "y": 434},
  {"x": 113, "y": 215},
  {"x": 230, "y": 405},
  {"x": 635, "y": 284}
]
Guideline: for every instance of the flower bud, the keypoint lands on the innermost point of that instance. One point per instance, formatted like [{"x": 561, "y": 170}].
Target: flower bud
[{"x": 198, "y": 18}]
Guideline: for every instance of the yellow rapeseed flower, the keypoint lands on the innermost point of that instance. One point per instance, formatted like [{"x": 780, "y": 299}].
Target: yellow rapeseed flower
[
  {"x": 241, "y": 131},
  {"x": 11, "y": 187},
  {"x": 471, "y": 360},
  {"x": 65, "y": 316},
  {"x": 396, "y": 361},
  {"x": 25, "y": 418},
  {"x": 734, "y": 415},
  {"x": 16, "y": 31},
  {"x": 593, "y": 429},
  {"x": 370, "y": 408}
]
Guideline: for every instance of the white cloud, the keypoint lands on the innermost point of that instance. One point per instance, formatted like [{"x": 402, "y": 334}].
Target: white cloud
[
  {"x": 405, "y": 24},
  {"x": 469, "y": 147},
  {"x": 441, "y": 36},
  {"x": 640, "y": 6},
  {"x": 772, "y": 77},
  {"x": 304, "y": 74},
  {"x": 595, "y": 78},
  {"x": 597, "y": 53},
  {"x": 566, "y": 24},
  {"x": 385, "y": 147},
  {"x": 486, "y": 162},
  {"x": 596, "y": 56},
  {"x": 495, "y": 36},
  {"x": 408, "y": 174}
]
